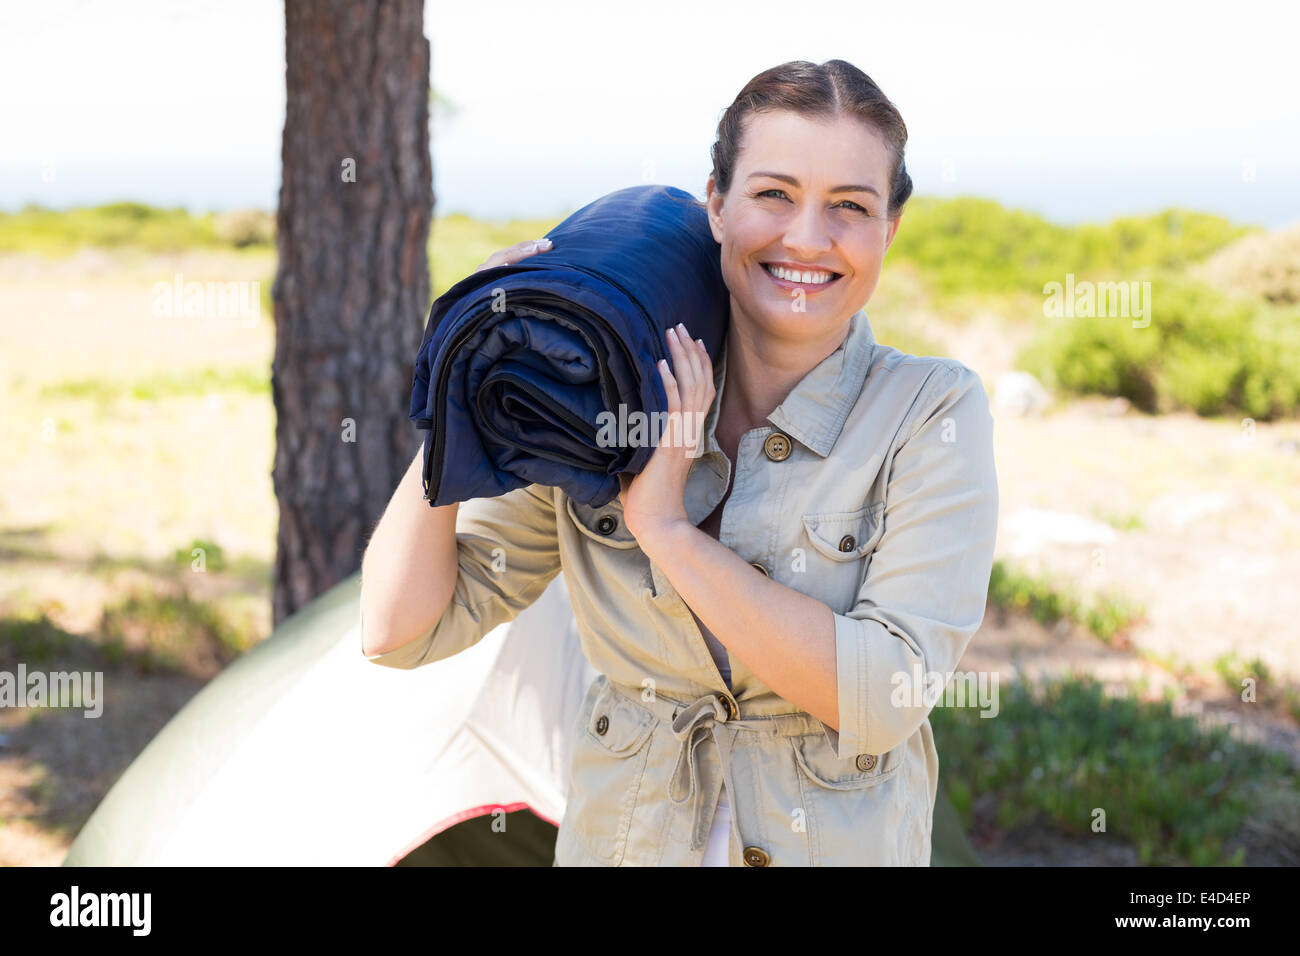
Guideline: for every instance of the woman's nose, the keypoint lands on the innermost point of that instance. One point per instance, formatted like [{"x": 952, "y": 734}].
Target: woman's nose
[{"x": 808, "y": 235}]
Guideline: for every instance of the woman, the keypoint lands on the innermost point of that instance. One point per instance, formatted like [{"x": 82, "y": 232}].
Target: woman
[{"x": 764, "y": 606}]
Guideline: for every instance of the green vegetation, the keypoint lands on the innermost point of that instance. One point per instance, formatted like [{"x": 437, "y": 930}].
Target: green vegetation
[
  {"x": 126, "y": 224},
  {"x": 1200, "y": 351},
  {"x": 970, "y": 244},
  {"x": 156, "y": 631},
  {"x": 459, "y": 244},
  {"x": 246, "y": 380},
  {"x": 1129, "y": 521},
  {"x": 1106, "y": 616},
  {"x": 1232, "y": 348},
  {"x": 32, "y": 636},
  {"x": 212, "y": 554},
  {"x": 1234, "y": 669},
  {"x": 1060, "y": 750}
]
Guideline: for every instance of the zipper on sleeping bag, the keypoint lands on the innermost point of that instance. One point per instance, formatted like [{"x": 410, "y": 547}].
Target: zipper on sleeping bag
[{"x": 432, "y": 487}]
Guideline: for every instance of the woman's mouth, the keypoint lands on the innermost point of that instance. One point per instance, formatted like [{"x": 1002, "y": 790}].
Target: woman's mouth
[{"x": 809, "y": 280}]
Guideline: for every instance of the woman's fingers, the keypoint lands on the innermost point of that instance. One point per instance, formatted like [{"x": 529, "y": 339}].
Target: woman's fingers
[
  {"x": 693, "y": 358},
  {"x": 512, "y": 254},
  {"x": 695, "y": 372},
  {"x": 694, "y": 388},
  {"x": 685, "y": 370}
]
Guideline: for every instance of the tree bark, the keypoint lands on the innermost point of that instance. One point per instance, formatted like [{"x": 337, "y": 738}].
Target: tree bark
[{"x": 351, "y": 290}]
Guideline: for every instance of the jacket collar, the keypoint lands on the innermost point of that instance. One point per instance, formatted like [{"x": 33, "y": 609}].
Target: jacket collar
[{"x": 815, "y": 410}]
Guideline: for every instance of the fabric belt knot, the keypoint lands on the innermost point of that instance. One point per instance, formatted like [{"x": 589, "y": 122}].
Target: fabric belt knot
[{"x": 691, "y": 726}]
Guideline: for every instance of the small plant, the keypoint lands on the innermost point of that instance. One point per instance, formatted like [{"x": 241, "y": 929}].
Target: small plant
[
  {"x": 214, "y": 558},
  {"x": 171, "y": 632},
  {"x": 1180, "y": 793},
  {"x": 1106, "y": 616}
]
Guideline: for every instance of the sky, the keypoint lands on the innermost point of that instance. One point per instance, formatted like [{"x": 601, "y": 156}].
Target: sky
[{"x": 1079, "y": 111}]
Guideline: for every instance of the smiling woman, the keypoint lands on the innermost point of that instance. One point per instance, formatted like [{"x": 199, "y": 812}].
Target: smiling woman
[{"x": 750, "y": 599}]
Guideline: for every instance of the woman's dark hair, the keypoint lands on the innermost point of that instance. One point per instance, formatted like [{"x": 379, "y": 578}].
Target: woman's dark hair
[{"x": 834, "y": 87}]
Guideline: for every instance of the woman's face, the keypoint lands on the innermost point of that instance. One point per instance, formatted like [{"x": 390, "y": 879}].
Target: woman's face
[{"x": 809, "y": 196}]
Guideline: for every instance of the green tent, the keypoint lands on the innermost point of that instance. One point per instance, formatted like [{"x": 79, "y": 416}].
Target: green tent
[{"x": 304, "y": 753}]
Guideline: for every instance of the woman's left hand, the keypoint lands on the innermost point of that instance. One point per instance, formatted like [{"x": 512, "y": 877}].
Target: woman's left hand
[{"x": 655, "y": 499}]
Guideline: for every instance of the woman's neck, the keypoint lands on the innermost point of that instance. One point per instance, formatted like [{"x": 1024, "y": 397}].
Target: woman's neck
[{"x": 762, "y": 371}]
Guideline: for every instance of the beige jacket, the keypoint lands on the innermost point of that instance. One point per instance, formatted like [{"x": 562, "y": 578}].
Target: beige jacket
[{"x": 871, "y": 488}]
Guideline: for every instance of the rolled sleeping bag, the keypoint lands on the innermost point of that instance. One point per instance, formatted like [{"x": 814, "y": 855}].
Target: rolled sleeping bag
[{"x": 518, "y": 362}]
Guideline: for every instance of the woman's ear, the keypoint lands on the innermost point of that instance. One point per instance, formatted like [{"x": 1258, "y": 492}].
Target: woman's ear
[
  {"x": 893, "y": 230},
  {"x": 713, "y": 202}
]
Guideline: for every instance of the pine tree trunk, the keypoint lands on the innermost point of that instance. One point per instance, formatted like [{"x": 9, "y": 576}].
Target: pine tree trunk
[{"x": 351, "y": 290}]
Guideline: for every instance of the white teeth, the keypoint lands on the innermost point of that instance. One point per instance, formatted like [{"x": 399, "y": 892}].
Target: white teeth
[{"x": 793, "y": 275}]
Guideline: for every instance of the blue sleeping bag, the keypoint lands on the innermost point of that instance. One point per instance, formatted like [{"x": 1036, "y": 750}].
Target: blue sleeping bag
[{"x": 518, "y": 362}]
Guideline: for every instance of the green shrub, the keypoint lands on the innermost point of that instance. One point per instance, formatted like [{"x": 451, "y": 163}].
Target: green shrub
[
  {"x": 1047, "y": 602},
  {"x": 1200, "y": 351},
  {"x": 977, "y": 245},
  {"x": 113, "y": 225},
  {"x": 1060, "y": 749}
]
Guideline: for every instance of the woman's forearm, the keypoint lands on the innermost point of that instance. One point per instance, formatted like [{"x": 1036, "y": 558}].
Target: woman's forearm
[
  {"x": 409, "y": 569},
  {"x": 784, "y": 637}
]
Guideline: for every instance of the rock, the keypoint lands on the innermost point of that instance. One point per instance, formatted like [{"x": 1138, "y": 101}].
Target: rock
[
  {"x": 1033, "y": 528},
  {"x": 1020, "y": 394}
]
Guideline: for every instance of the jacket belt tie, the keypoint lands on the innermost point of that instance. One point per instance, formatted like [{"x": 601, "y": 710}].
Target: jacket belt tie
[{"x": 691, "y": 726}]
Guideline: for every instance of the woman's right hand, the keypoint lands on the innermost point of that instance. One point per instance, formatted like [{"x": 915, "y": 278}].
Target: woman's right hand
[{"x": 520, "y": 250}]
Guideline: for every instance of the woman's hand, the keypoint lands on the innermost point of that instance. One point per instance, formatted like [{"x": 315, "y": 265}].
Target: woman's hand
[
  {"x": 655, "y": 499},
  {"x": 512, "y": 254}
]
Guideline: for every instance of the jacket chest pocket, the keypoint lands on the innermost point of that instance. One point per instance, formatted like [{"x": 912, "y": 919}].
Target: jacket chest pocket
[
  {"x": 603, "y": 525},
  {"x": 838, "y": 547},
  {"x": 609, "y": 762}
]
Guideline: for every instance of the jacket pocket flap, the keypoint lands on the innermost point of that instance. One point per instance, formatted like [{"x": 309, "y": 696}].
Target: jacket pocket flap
[
  {"x": 619, "y": 725},
  {"x": 846, "y": 535},
  {"x": 604, "y": 524},
  {"x": 816, "y": 757}
]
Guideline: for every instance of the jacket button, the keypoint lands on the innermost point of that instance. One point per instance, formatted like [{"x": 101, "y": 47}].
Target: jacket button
[
  {"x": 777, "y": 446},
  {"x": 756, "y": 856},
  {"x": 606, "y": 524},
  {"x": 730, "y": 706},
  {"x": 848, "y": 543},
  {"x": 758, "y": 567},
  {"x": 602, "y": 725},
  {"x": 866, "y": 762}
]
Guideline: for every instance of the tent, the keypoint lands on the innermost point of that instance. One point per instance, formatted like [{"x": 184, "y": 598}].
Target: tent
[{"x": 302, "y": 752}]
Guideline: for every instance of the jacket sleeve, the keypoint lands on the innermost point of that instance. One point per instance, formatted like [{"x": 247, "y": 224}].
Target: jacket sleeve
[
  {"x": 508, "y": 553},
  {"x": 926, "y": 587}
]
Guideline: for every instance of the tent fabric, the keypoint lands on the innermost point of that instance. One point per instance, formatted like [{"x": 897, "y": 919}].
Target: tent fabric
[
  {"x": 302, "y": 752},
  {"x": 518, "y": 362}
]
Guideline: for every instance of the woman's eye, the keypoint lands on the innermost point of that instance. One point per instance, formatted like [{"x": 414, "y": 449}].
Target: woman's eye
[{"x": 781, "y": 192}]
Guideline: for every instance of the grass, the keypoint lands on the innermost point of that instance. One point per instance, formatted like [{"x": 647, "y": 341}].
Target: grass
[
  {"x": 968, "y": 245},
  {"x": 1123, "y": 521},
  {"x": 1062, "y": 749},
  {"x": 33, "y": 636},
  {"x": 57, "y": 232},
  {"x": 245, "y": 380},
  {"x": 1106, "y": 616},
  {"x": 171, "y": 632}
]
